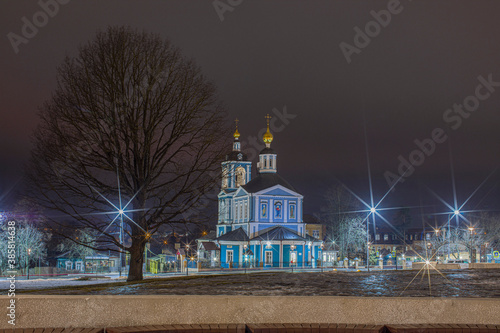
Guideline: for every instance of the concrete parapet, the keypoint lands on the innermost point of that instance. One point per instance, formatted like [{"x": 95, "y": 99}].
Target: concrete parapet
[{"x": 107, "y": 311}]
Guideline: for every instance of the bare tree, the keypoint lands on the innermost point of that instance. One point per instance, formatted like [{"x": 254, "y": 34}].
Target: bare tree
[
  {"x": 133, "y": 127},
  {"x": 30, "y": 244},
  {"x": 345, "y": 225}
]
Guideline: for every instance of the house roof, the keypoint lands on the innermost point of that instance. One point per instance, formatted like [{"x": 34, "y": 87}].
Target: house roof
[
  {"x": 266, "y": 180},
  {"x": 234, "y": 235},
  {"x": 210, "y": 236},
  {"x": 281, "y": 233},
  {"x": 209, "y": 246}
]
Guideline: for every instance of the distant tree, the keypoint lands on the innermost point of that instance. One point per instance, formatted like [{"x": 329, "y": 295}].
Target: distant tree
[
  {"x": 344, "y": 224},
  {"x": 128, "y": 108},
  {"x": 30, "y": 245},
  {"x": 373, "y": 256},
  {"x": 30, "y": 237},
  {"x": 486, "y": 230}
]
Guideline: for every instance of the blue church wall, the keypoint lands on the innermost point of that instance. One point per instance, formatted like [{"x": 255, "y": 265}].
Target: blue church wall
[
  {"x": 278, "y": 191},
  {"x": 286, "y": 255},
  {"x": 281, "y": 207},
  {"x": 275, "y": 249},
  {"x": 224, "y": 229},
  {"x": 262, "y": 226},
  {"x": 223, "y": 255},
  {"x": 256, "y": 252}
]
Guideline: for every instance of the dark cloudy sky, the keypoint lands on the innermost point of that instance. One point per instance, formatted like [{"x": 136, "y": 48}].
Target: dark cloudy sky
[{"x": 269, "y": 54}]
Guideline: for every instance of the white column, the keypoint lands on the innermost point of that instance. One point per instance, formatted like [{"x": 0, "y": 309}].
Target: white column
[
  {"x": 303, "y": 254},
  {"x": 257, "y": 207},
  {"x": 281, "y": 254},
  {"x": 285, "y": 211},
  {"x": 299, "y": 210},
  {"x": 240, "y": 247},
  {"x": 271, "y": 210}
]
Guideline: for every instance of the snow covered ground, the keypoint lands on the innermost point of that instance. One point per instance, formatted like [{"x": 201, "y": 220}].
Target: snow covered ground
[
  {"x": 38, "y": 283},
  {"x": 452, "y": 283}
]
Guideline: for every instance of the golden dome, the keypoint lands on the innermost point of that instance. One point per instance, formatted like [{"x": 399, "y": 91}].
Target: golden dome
[
  {"x": 236, "y": 133},
  {"x": 267, "y": 137}
]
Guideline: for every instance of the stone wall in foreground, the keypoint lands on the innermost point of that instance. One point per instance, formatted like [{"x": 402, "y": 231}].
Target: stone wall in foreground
[{"x": 106, "y": 311}]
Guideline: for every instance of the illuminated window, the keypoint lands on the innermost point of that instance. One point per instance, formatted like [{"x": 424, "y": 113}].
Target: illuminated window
[
  {"x": 269, "y": 257},
  {"x": 240, "y": 176}
]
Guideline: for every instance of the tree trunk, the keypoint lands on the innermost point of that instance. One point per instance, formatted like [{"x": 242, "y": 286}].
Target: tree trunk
[{"x": 136, "y": 259}]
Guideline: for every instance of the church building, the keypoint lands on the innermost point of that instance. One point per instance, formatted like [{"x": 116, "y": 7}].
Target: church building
[{"x": 260, "y": 219}]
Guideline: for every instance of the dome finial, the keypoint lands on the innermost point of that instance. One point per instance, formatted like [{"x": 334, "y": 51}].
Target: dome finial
[
  {"x": 236, "y": 133},
  {"x": 268, "y": 137}
]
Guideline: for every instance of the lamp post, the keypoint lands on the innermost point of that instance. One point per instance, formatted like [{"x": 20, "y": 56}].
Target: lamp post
[
  {"x": 28, "y": 264},
  {"x": 471, "y": 229},
  {"x": 372, "y": 211},
  {"x": 187, "y": 262},
  {"x": 121, "y": 242}
]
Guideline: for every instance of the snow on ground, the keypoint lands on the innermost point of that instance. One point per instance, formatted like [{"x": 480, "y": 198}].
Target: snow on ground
[
  {"x": 38, "y": 283},
  {"x": 452, "y": 283}
]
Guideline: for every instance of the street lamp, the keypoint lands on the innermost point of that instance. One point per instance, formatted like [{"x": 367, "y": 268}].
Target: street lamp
[
  {"x": 28, "y": 264},
  {"x": 373, "y": 210},
  {"x": 121, "y": 212},
  {"x": 471, "y": 229}
]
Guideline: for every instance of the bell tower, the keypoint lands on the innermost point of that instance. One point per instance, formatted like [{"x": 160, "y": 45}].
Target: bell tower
[
  {"x": 236, "y": 169},
  {"x": 267, "y": 157}
]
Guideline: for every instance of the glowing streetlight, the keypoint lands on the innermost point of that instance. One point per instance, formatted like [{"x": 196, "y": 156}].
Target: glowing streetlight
[
  {"x": 456, "y": 212},
  {"x": 373, "y": 210}
]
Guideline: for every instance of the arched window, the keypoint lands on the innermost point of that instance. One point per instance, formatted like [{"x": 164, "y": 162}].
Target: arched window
[{"x": 240, "y": 176}]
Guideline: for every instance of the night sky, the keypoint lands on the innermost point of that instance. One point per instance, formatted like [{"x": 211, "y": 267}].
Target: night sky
[{"x": 275, "y": 55}]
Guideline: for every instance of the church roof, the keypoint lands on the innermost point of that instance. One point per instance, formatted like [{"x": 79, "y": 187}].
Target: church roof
[
  {"x": 266, "y": 180},
  {"x": 233, "y": 156},
  {"x": 279, "y": 233},
  {"x": 267, "y": 151},
  {"x": 235, "y": 235}
]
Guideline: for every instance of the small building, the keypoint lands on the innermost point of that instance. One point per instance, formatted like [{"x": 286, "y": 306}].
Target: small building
[
  {"x": 209, "y": 253},
  {"x": 99, "y": 262}
]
